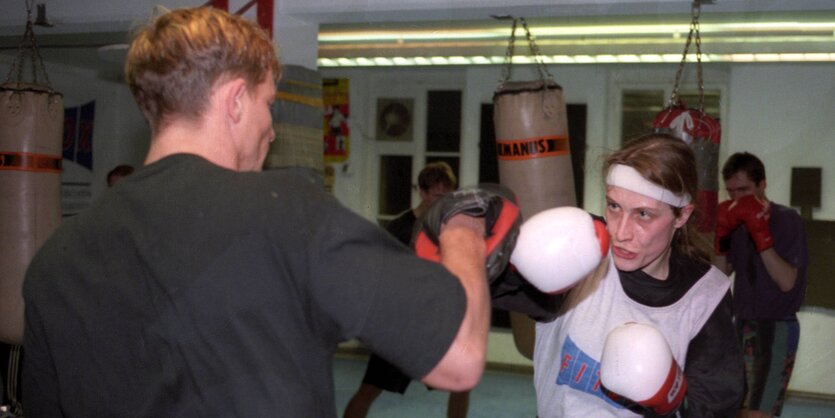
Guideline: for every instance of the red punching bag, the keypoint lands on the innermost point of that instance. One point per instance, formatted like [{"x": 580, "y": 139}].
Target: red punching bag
[
  {"x": 699, "y": 130},
  {"x": 703, "y": 133}
]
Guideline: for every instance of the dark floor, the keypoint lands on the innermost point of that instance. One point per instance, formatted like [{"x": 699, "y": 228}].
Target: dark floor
[{"x": 500, "y": 394}]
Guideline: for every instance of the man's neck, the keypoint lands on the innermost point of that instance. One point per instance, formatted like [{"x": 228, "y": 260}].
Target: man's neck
[
  {"x": 420, "y": 209},
  {"x": 186, "y": 137}
]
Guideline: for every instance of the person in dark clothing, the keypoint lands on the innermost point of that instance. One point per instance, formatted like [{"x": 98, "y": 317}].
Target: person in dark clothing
[
  {"x": 764, "y": 244},
  {"x": 204, "y": 286}
]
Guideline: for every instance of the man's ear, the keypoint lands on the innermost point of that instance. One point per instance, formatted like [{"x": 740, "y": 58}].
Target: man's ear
[
  {"x": 762, "y": 185},
  {"x": 233, "y": 99}
]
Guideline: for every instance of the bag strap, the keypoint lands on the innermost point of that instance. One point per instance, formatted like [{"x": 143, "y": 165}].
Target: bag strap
[{"x": 695, "y": 12}]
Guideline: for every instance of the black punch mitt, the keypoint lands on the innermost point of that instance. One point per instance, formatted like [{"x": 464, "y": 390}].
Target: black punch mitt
[{"x": 502, "y": 219}]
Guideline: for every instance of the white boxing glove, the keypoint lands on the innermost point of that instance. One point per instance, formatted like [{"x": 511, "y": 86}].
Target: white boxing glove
[
  {"x": 558, "y": 247},
  {"x": 637, "y": 364}
]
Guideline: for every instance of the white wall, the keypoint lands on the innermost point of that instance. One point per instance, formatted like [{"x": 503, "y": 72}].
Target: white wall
[{"x": 814, "y": 371}]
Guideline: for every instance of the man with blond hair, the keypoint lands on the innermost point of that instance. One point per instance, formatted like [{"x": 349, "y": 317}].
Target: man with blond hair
[{"x": 203, "y": 286}]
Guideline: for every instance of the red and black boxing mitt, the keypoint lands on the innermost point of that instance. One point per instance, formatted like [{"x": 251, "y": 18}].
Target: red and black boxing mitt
[{"x": 502, "y": 219}]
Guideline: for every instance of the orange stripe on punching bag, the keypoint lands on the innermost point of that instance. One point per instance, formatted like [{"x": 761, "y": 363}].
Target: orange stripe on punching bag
[
  {"x": 24, "y": 161},
  {"x": 527, "y": 149}
]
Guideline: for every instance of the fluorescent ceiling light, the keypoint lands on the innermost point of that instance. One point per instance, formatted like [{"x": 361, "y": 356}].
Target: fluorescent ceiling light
[
  {"x": 807, "y": 37},
  {"x": 565, "y": 59},
  {"x": 572, "y": 31}
]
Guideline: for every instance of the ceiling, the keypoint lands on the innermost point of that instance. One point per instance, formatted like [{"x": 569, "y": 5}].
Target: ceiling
[
  {"x": 733, "y": 36},
  {"x": 83, "y": 30}
]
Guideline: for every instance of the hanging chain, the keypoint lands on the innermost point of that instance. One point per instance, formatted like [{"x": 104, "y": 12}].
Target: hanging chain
[
  {"x": 28, "y": 45},
  {"x": 508, "y": 56},
  {"x": 540, "y": 66},
  {"x": 507, "y": 71},
  {"x": 694, "y": 33},
  {"x": 700, "y": 77}
]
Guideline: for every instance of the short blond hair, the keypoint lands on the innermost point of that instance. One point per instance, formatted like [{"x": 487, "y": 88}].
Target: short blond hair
[{"x": 175, "y": 59}]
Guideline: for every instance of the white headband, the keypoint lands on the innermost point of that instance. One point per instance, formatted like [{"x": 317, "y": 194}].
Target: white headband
[{"x": 628, "y": 178}]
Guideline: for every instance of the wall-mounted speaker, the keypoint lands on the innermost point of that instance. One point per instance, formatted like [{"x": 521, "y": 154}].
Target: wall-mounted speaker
[{"x": 806, "y": 187}]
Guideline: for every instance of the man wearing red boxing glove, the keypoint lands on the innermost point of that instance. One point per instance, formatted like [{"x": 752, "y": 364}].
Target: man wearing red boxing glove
[{"x": 764, "y": 244}]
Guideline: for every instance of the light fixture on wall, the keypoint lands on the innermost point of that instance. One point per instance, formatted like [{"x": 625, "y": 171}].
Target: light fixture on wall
[{"x": 794, "y": 37}]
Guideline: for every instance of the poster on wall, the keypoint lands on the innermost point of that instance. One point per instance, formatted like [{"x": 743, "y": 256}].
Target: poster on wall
[
  {"x": 335, "y": 96},
  {"x": 76, "y": 194}
]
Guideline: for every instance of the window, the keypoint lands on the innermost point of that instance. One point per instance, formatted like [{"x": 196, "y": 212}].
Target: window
[
  {"x": 433, "y": 134},
  {"x": 395, "y": 186}
]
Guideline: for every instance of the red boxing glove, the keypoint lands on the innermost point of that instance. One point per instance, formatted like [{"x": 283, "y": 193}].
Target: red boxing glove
[
  {"x": 755, "y": 212},
  {"x": 725, "y": 224}
]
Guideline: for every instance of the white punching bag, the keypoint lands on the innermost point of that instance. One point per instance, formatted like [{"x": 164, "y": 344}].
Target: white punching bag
[
  {"x": 534, "y": 160},
  {"x": 31, "y": 125}
]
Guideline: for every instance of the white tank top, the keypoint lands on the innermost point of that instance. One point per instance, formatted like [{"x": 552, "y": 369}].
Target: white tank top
[{"x": 567, "y": 351}]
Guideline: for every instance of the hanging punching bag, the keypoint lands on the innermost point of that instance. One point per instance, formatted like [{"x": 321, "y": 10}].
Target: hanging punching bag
[
  {"x": 297, "y": 120},
  {"x": 532, "y": 145},
  {"x": 534, "y": 160},
  {"x": 31, "y": 124},
  {"x": 699, "y": 130},
  {"x": 703, "y": 133}
]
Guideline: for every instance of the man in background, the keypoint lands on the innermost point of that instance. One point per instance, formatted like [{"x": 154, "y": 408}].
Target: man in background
[{"x": 764, "y": 244}]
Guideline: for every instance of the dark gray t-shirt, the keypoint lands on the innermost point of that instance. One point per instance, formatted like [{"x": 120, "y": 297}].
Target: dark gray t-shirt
[{"x": 192, "y": 290}]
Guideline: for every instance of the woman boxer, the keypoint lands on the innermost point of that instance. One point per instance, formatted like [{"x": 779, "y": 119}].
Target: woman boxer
[{"x": 656, "y": 276}]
